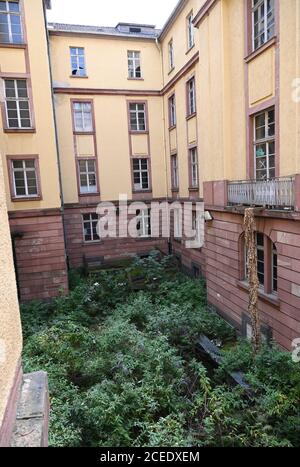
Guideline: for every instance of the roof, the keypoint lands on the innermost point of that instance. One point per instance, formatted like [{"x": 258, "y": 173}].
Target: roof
[
  {"x": 177, "y": 10},
  {"x": 149, "y": 31}
]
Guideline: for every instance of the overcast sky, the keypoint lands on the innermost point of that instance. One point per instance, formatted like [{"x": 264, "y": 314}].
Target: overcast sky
[{"x": 109, "y": 13}]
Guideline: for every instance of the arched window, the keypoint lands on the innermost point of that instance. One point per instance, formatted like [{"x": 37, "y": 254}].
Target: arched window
[{"x": 266, "y": 263}]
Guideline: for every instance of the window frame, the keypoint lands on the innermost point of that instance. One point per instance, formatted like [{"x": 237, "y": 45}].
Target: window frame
[
  {"x": 83, "y": 102},
  {"x": 144, "y": 217},
  {"x": 171, "y": 57},
  {"x": 23, "y": 157},
  {"x": 90, "y": 221},
  {"x": 266, "y": 25},
  {"x": 10, "y": 24},
  {"x": 194, "y": 168},
  {"x": 268, "y": 140},
  {"x": 17, "y": 100},
  {"x": 191, "y": 97},
  {"x": 77, "y": 56},
  {"x": 174, "y": 172},
  {"x": 190, "y": 31},
  {"x": 172, "y": 111},
  {"x": 140, "y": 171},
  {"x": 145, "y": 112},
  {"x": 267, "y": 287},
  {"x": 86, "y": 160},
  {"x": 134, "y": 60}
]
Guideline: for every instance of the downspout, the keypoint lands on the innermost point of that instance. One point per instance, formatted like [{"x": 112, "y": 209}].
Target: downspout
[
  {"x": 56, "y": 137},
  {"x": 164, "y": 138}
]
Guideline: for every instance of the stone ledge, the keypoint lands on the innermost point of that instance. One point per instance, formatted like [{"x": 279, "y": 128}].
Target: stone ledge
[{"x": 31, "y": 427}]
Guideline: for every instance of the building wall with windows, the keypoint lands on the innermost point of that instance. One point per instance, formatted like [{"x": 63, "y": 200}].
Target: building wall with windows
[{"x": 28, "y": 150}]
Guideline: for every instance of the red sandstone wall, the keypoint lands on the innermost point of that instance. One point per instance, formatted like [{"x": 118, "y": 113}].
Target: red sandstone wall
[
  {"x": 224, "y": 268},
  {"x": 108, "y": 248},
  {"x": 40, "y": 253}
]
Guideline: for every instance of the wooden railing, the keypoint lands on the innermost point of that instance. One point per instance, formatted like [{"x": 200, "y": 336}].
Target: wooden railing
[{"x": 276, "y": 193}]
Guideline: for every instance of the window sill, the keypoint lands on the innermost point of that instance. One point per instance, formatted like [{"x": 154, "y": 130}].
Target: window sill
[
  {"x": 19, "y": 130},
  {"x": 136, "y": 132},
  {"x": 92, "y": 242},
  {"x": 190, "y": 116},
  {"x": 5, "y": 45},
  {"x": 135, "y": 79},
  {"x": 173, "y": 127},
  {"x": 171, "y": 70},
  {"x": 15, "y": 199},
  {"x": 89, "y": 195},
  {"x": 141, "y": 191},
  {"x": 193, "y": 188},
  {"x": 83, "y": 132},
  {"x": 175, "y": 190},
  {"x": 261, "y": 49},
  {"x": 188, "y": 50},
  {"x": 79, "y": 77},
  {"x": 269, "y": 298}
]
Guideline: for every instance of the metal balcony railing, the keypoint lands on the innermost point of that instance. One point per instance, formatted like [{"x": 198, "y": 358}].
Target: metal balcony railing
[{"x": 275, "y": 193}]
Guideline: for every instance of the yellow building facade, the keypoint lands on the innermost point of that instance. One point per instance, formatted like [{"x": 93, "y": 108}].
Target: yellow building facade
[{"x": 206, "y": 109}]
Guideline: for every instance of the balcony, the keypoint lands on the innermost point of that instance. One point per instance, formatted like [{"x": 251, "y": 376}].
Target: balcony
[{"x": 278, "y": 193}]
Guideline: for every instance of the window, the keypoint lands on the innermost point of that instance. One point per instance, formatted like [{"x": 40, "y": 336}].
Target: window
[
  {"x": 134, "y": 65},
  {"x": 25, "y": 184},
  {"x": 175, "y": 172},
  {"x": 177, "y": 223},
  {"x": 143, "y": 225},
  {"x": 266, "y": 263},
  {"x": 190, "y": 31},
  {"x": 83, "y": 120},
  {"x": 90, "y": 222},
  {"x": 194, "y": 168},
  {"x": 77, "y": 61},
  {"x": 263, "y": 21},
  {"x": 264, "y": 145},
  {"x": 10, "y": 23},
  {"x": 172, "y": 111},
  {"x": 140, "y": 174},
  {"x": 196, "y": 225},
  {"x": 135, "y": 30},
  {"x": 17, "y": 103},
  {"x": 191, "y": 96},
  {"x": 137, "y": 116},
  {"x": 171, "y": 55},
  {"x": 87, "y": 175}
]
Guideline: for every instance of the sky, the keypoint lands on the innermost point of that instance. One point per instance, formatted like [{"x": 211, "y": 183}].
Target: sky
[{"x": 109, "y": 13}]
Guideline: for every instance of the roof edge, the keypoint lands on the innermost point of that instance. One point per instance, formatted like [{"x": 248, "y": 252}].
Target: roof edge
[{"x": 173, "y": 16}]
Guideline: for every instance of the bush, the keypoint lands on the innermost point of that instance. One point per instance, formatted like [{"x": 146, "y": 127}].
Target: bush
[{"x": 124, "y": 369}]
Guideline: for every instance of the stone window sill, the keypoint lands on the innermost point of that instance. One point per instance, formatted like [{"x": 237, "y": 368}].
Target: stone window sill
[{"x": 269, "y": 298}]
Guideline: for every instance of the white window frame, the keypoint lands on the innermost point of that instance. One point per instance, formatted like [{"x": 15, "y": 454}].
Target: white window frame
[
  {"x": 190, "y": 31},
  {"x": 140, "y": 171},
  {"x": 86, "y": 124},
  {"x": 194, "y": 167},
  {"x": 93, "y": 218},
  {"x": 25, "y": 171},
  {"x": 89, "y": 174},
  {"x": 17, "y": 100},
  {"x": 196, "y": 217},
  {"x": 267, "y": 140},
  {"x": 136, "y": 112},
  {"x": 144, "y": 220},
  {"x": 175, "y": 171},
  {"x": 9, "y": 15},
  {"x": 267, "y": 24},
  {"x": 171, "y": 54},
  {"x": 172, "y": 110},
  {"x": 191, "y": 84},
  {"x": 134, "y": 64},
  {"x": 76, "y": 56}
]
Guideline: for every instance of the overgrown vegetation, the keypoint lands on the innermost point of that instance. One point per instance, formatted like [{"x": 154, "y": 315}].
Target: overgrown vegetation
[{"x": 124, "y": 369}]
